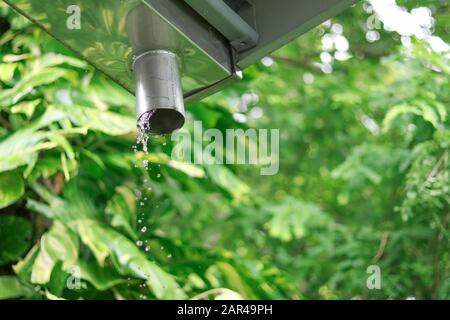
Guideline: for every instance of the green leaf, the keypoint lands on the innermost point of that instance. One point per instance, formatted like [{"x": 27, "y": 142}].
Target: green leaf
[
  {"x": 52, "y": 59},
  {"x": 233, "y": 280},
  {"x": 121, "y": 208},
  {"x": 26, "y": 107},
  {"x": 189, "y": 169},
  {"x": 292, "y": 218},
  {"x": 22, "y": 147},
  {"x": 80, "y": 205},
  {"x": 46, "y": 167},
  {"x": 7, "y": 71},
  {"x": 102, "y": 278},
  {"x": 59, "y": 244},
  {"x": 24, "y": 267},
  {"x": 29, "y": 82},
  {"x": 12, "y": 288},
  {"x": 11, "y": 188},
  {"x": 107, "y": 122},
  {"x": 227, "y": 295},
  {"x": 15, "y": 234},
  {"x": 227, "y": 180},
  {"x": 397, "y": 111},
  {"x": 51, "y": 296},
  {"x": 127, "y": 258}
]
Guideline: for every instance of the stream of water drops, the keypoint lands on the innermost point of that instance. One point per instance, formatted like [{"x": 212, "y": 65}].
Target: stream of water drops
[
  {"x": 142, "y": 141},
  {"x": 143, "y": 135},
  {"x": 142, "y": 195}
]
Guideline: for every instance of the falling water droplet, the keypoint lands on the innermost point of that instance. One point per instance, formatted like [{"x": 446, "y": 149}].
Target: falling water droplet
[
  {"x": 143, "y": 140},
  {"x": 143, "y": 136},
  {"x": 143, "y": 129}
]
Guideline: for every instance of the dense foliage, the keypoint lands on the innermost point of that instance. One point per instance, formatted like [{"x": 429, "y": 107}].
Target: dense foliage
[{"x": 364, "y": 174}]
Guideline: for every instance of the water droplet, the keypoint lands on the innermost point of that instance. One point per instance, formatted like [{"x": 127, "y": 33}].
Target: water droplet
[
  {"x": 147, "y": 249},
  {"x": 143, "y": 128},
  {"x": 158, "y": 175},
  {"x": 169, "y": 256},
  {"x": 139, "y": 243},
  {"x": 142, "y": 204},
  {"x": 145, "y": 198},
  {"x": 140, "y": 221},
  {"x": 144, "y": 229}
]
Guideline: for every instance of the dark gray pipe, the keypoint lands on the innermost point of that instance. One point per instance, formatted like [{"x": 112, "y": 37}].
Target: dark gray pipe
[{"x": 159, "y": 95}]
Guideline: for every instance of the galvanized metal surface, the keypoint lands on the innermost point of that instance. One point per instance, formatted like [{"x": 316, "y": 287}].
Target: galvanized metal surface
[
  {"x": 206, "y": 61},
  {"x": 278, "y": 22},
  {"x": 205, "y": 58},
  {"x": 222, "y": 17},
  {"x": 158, "y": 92}
]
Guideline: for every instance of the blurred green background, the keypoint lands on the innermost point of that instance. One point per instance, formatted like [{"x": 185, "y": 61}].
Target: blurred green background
[{"x": 363, "y": 112}]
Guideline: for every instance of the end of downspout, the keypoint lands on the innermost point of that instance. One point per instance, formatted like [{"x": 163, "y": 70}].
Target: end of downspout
[{"x": 159, "y": 96}]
